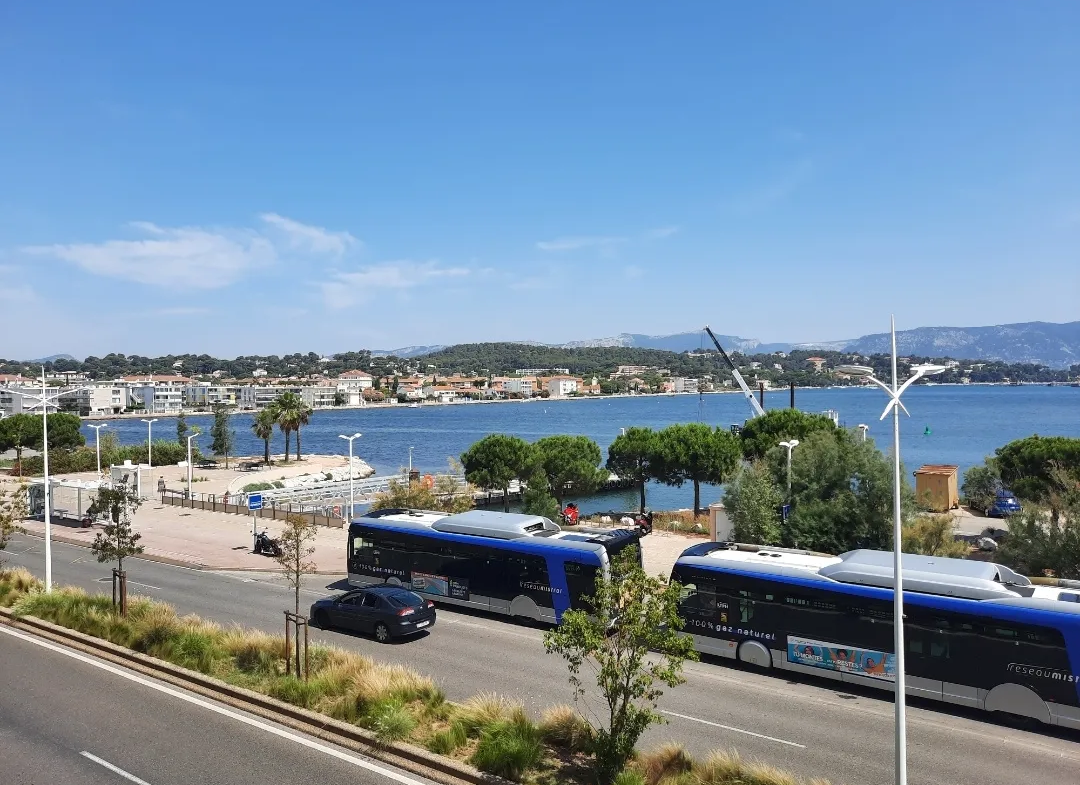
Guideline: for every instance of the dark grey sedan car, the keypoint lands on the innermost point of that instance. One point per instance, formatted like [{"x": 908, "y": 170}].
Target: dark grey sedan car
[{"x": 386, "y": 612}]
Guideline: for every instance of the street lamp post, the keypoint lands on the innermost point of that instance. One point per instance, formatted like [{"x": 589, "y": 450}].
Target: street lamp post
[
  {"x": 863, "y": 428},
  {"x": 43, "y": 401},
  {"x": 189, "y": 438},
  {"x": 410, "y": 461},
  {"x": 97, "y": 443},
  {"x": 789, "y": 446},
  {"x": 894, "y": 392},
  {"x": 352, "y": 492},
  {"x": 150, "y": 443}
]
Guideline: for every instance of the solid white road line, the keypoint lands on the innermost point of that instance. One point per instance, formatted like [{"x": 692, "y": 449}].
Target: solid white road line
[
  {"x": 114, "y": 769},
  {"x": 209, "y": 706},
  {"x": 735, "y": 730}
]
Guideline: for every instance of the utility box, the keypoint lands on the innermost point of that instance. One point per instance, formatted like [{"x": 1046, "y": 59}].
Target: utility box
[
  {"x": 720, "y": 527},
  {"x": 936, "y": 487}
]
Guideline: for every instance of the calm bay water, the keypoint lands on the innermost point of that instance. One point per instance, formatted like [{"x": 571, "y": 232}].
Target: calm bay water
[{"x": 965, "y": 425}]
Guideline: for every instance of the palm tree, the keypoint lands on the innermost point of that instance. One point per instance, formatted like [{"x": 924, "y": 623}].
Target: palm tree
[
  {"x": 291, "y": 415},
  {"x": 302, "y": 418},
  {"x": 263, "y": 428}
]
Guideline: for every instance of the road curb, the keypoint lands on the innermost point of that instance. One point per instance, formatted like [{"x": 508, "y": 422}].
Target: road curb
[
  {"x": 405, "y": 756},
  {"x": 180, "y": 562}
]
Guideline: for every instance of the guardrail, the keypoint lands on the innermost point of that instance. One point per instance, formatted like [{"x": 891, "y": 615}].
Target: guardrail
[{"x": 236, "y": 504}]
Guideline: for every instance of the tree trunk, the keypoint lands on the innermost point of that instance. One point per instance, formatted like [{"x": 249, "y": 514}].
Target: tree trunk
[
  {"x": 298, "y": 594},
  {"x": 286, "y": 446},
  {"x": 298, "y": 444},
  {"x": 266, "y": 453},
  {"x": 642, "y": 489},
  {"x": 506, "y": 498},
  {"x": 18, "y": 458},
  {"x": 697, "y": 498}
]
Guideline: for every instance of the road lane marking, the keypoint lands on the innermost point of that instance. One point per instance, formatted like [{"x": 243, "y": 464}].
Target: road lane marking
[
  {"x": 114, "y": 769},
  {"x": 734, "y": 730},
  {"x": 132, "y": 583},
  {"x": 341, "y": 755}
]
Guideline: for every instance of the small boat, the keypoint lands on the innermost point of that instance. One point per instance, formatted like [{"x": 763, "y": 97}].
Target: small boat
[{"x": 414, "y": 406}]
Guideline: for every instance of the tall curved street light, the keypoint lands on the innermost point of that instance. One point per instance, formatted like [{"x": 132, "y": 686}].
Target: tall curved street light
[
  {"x": 150, "y": 444},
  {"x": 352, "y": 493},
  {"x": 44, "y": 401},
  {"x": 789, "y": 446},
  {"x": 196, "y": 434},
  {"x": 894, "y": 392},
  {"x": 97, "y": 443}
]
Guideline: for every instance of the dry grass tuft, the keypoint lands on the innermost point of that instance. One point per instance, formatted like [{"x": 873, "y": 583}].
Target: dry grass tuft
[
  {"x": 562, "y": 726},
  {"x": 665, "y": 763},
  {"x": 488, "y": 709}
]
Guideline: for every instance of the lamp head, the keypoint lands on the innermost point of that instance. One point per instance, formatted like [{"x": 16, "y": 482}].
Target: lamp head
[
  {"x": 928, "y": 370},
  {"x": 854, "y": 370}
]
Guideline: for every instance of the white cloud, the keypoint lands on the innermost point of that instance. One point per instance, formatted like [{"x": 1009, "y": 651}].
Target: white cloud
[
  {"x": 305, "y": 237},
  {"x": 180, "y": 311},
  {"x": 774, "y": 191},
  {"x": 346, "y": 289},
  {"x": 660, "y": 232},
  {"x": 577, "y": 243},
  {"x": 633, "y": 271},
  {"x": 184, "y": 258}
]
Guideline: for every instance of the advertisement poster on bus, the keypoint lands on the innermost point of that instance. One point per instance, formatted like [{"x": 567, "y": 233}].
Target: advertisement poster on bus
[
  {"x": 455, "y": 588},
  {"x": 837, "y": 657}
]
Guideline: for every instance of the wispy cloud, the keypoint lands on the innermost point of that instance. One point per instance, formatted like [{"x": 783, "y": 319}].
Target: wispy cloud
[
  {"x": 184, "y": 258},
  {"x": 633, "y": 271},
  {"x": 773, "y": 191},
  {"x": 305, "y": 237},
  {"x": 578, "y": 243},
  {"x": 660, "y": 232},
  {"x": 348, "y": 288}
]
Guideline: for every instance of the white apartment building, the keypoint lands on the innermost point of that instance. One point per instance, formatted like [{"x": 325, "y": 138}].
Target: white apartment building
[
  {"x": 156, "y": 399},
  {"x": 99, "y": 398},
  {"x": 541, "y": 371},
  {"x": 320, "y": 397},
  {"x": 12, "y": 403},
  {"x": 524, "y": 386},
  {"x": 352, "y": 384},
  {"x": 205, "y": 395},
  {"x": 682, "y": 384},
  {"x": 562, "y": 386}
]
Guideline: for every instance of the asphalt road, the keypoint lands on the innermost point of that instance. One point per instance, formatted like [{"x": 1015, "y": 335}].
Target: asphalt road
[
  {"x": 807, "y": 726},
  {"x": 73, "y": 720}
]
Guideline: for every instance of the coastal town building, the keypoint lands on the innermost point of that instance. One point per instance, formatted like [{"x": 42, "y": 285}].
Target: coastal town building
[
  {"x": 563, "y": 386},
  {"x": 525, "y": 386},
  {"x": 817, "y": 362},
  {"x": 352, "y": 384},
  {"x": 542, "y": 371}
]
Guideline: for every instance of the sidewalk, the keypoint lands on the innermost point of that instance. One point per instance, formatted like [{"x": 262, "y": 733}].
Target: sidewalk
[
  {"x": 202, "y": 540},
  {"x": 220, "y": 541}
]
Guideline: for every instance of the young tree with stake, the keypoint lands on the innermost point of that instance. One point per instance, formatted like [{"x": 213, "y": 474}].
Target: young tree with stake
[
  {"x": 633, "y": 659},
  {"x": 117, "y": 541}
]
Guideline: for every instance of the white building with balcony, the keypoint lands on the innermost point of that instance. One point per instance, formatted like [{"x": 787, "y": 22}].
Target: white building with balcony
[{"x": 562, "y": 386}]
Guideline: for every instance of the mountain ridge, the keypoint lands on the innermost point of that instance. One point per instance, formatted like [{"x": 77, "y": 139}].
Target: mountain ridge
[{"x": 1056, "y": 345}]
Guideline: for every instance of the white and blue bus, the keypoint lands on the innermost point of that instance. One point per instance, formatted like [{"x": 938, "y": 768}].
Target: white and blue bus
[
  {"x": 976, "y": 634},
  {"x": 519, "y": 565}
]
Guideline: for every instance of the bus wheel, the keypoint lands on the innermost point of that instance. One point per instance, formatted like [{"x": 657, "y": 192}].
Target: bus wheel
[
  {"x": 753, "y": 653},
  {"x": 1018, "y": 701}
]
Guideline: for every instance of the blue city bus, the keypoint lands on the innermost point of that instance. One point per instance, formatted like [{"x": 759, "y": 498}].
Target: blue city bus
[
  {"x": 976, "y": 634},
  {"x": 519, "y": 565}
]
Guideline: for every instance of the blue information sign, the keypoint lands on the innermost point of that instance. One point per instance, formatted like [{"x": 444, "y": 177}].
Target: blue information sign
[{"x": 255, "y": 501}]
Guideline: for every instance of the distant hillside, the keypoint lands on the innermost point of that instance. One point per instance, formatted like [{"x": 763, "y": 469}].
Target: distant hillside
[
  {"x": 1043, "y": 343},
  {"x": 407, "y": 351},
  {"x": 1053, "y": 345}
]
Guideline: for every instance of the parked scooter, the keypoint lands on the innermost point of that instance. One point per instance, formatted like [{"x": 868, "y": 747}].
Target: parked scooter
[{"x": 266, "y": 545}]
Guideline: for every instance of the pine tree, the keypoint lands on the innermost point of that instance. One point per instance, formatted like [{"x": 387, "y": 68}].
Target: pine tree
[{"x": 221, "y": 433}]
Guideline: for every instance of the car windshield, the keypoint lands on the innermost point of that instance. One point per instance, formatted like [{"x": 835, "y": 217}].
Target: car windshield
[{"x": 405, "y": 599}]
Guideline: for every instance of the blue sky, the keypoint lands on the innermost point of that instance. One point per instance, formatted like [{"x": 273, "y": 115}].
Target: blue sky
[{"x": 239, "y": 178}]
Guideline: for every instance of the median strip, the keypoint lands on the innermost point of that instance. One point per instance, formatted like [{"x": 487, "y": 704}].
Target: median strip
[{"x": 387, "y": 712}]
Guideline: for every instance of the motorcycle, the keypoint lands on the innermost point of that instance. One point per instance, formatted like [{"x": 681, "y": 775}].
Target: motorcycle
[{"x": 266, "y": 545}]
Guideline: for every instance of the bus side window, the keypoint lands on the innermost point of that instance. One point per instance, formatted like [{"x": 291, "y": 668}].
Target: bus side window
[
  {"x": 746, "y": 607},
  {"x": 363, "y": 550}
]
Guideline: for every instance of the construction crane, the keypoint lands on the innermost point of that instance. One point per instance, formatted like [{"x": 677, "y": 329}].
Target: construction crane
[{"x": 755, "y": 407}]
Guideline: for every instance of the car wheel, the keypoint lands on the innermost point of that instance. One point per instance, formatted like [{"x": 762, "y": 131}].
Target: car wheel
[
  {"x": 382, "y": 633},
  {"x": 322, "y": 621}
]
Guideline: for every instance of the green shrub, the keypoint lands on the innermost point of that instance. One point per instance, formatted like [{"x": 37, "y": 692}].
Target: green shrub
[
  {"x": 296, "y": 691},
  {"x": 630, "y": 777},
  {"x": 390, "y": 721},
  {"x": 446, "y": 742},
  {"x": 255, "y": 487},
  {"x": 508, "y": 749},
  {"x": 278, "y": 484}
]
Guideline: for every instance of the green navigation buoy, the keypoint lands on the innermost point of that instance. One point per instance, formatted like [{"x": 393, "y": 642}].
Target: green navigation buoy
[{"x": 927, "y": 431}]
